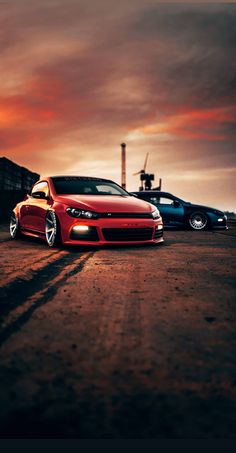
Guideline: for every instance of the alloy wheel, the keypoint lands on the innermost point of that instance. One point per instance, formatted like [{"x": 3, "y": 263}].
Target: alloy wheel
[
  {"x": 14, "y": 226},
  {"x": 198, "y": 221},
  {"x": 51, "y": 228}
]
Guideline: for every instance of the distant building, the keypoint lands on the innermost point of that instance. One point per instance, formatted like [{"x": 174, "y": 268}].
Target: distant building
[
  {"x": 14, "y": 177},
  {"x": 15, "y": 182}
]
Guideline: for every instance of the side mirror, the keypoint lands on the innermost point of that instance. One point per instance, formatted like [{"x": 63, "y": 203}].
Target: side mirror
[
  {"x": 176, "y": 204},
  {"x": 40, "y": 195}
]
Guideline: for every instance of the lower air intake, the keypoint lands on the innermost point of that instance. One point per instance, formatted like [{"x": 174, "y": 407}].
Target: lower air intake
[
  {"x": 127, "y": 234},
  {"x": 158, "y": 234}
]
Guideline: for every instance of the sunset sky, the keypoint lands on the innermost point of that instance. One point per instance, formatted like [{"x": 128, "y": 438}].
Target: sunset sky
[{"x": 80, "y": 77}]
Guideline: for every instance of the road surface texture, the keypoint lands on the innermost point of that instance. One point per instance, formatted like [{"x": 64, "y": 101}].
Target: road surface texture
[{"x": 132, "y": 342}]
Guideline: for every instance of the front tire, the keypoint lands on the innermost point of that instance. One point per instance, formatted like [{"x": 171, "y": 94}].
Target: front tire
[
  {"x": 52, "y": 230},
  {"x": 14, "y": 226},
  {"x": 198, "y": 221}
]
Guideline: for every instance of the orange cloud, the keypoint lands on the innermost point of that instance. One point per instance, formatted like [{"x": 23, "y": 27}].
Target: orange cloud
[
  {"x": 40, "y": 101},
  {"x": 194, "y": 124},
  {"x": 16, "y": 112}
]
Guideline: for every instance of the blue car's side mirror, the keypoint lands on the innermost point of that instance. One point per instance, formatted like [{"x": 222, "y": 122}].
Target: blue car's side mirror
[{"x": 176, "y": 204}]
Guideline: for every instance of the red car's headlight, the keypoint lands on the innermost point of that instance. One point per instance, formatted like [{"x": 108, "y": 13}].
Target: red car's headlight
[
  {"x": 79, "y": 213},
  {"x": 156, "y": 214}
]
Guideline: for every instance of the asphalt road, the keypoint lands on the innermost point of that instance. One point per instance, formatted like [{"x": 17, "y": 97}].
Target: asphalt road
[{"x": 134, "y": 342}]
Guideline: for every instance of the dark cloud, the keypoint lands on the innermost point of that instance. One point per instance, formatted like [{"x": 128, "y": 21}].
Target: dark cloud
[
  {"x": 80, "y": 77},
  {"x": 198, "y": 23},
  {"x": 192, "y": 52}
]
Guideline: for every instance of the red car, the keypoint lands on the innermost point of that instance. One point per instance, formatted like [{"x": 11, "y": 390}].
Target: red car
[{"x": 84, "y": 210}]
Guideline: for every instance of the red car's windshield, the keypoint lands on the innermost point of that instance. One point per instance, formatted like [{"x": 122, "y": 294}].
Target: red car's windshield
[{"x": 73, "y": 185}]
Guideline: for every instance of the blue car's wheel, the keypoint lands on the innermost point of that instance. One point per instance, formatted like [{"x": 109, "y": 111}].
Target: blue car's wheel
[{"x": 198, "y": 221}]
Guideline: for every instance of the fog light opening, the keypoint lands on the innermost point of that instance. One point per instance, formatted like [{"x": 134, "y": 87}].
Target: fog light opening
[{"x": 81, "y": 228}]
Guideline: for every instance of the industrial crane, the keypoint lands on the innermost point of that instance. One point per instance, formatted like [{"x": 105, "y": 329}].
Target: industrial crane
[{"x": 145, "y": 177}]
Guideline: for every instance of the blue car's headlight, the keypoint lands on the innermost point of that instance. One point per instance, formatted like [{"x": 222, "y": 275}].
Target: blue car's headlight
[
  {"x": 156, "y": 214},
  {"x": 79, "y": 213}
]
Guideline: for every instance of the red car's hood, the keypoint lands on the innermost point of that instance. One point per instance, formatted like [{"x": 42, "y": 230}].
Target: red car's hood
[{"x": 105, "y": 203}]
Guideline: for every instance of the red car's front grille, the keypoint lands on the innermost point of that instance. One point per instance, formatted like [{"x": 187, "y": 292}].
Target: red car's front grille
[{"x": 127, "y": 234}]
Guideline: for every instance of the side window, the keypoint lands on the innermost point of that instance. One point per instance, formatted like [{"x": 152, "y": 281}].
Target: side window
[
  {"x": 154, "y": 200},
  {"x": 151, "y": 199},
  {"x": 41, "y": 187},
  {"x": 159, "y": 200},
  {"x": 165, "y": 200}
]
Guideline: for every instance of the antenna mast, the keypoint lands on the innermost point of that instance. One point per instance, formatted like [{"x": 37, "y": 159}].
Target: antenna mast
[{"x": 123, "y": 165}]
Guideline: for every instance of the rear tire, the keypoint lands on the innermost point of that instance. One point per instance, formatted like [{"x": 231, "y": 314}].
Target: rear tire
[
  {"x": 198, "y": 221},
  {"x": 14, "y": 226},
  {"x": 52, "y": 230}
]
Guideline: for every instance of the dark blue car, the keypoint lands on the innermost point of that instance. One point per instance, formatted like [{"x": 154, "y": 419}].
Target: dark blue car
[{"x": 179, "y": 213}]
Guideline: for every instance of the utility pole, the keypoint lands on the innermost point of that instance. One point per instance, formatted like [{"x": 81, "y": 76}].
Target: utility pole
[{"x": 123, "y": 165}]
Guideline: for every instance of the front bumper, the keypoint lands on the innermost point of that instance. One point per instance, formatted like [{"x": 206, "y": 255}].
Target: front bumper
[
  {"x": 220, "y": 227},
  {"x": 111, "y": 231},
  {"x": 218, "y": 221}
]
